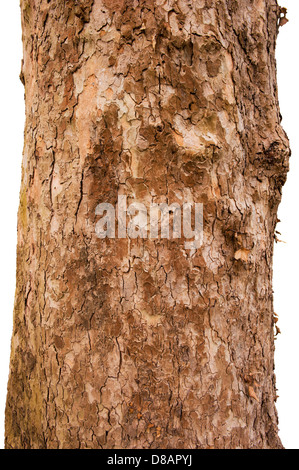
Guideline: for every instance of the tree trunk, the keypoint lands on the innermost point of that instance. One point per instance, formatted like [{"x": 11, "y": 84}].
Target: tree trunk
[{"x": 141, "y": 343}]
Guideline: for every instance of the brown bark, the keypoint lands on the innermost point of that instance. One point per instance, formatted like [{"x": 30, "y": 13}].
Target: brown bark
[{"x": 134, "y": 343}]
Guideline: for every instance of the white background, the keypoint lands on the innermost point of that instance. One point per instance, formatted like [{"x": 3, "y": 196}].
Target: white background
[{"x": 286, "y": 254}]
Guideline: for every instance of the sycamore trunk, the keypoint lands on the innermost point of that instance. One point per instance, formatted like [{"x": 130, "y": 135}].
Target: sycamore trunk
[{"x": 139, "y": 343}]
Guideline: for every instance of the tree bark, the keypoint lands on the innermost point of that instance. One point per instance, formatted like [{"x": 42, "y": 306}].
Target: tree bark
[{"x": 134, "y": 343}]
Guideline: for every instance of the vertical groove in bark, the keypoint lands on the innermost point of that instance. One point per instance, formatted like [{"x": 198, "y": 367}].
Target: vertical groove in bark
[{"x": 133, "y": 343}]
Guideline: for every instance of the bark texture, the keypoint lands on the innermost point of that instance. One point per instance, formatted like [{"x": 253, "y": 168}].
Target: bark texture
[{"x": 134, "y": 343}]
